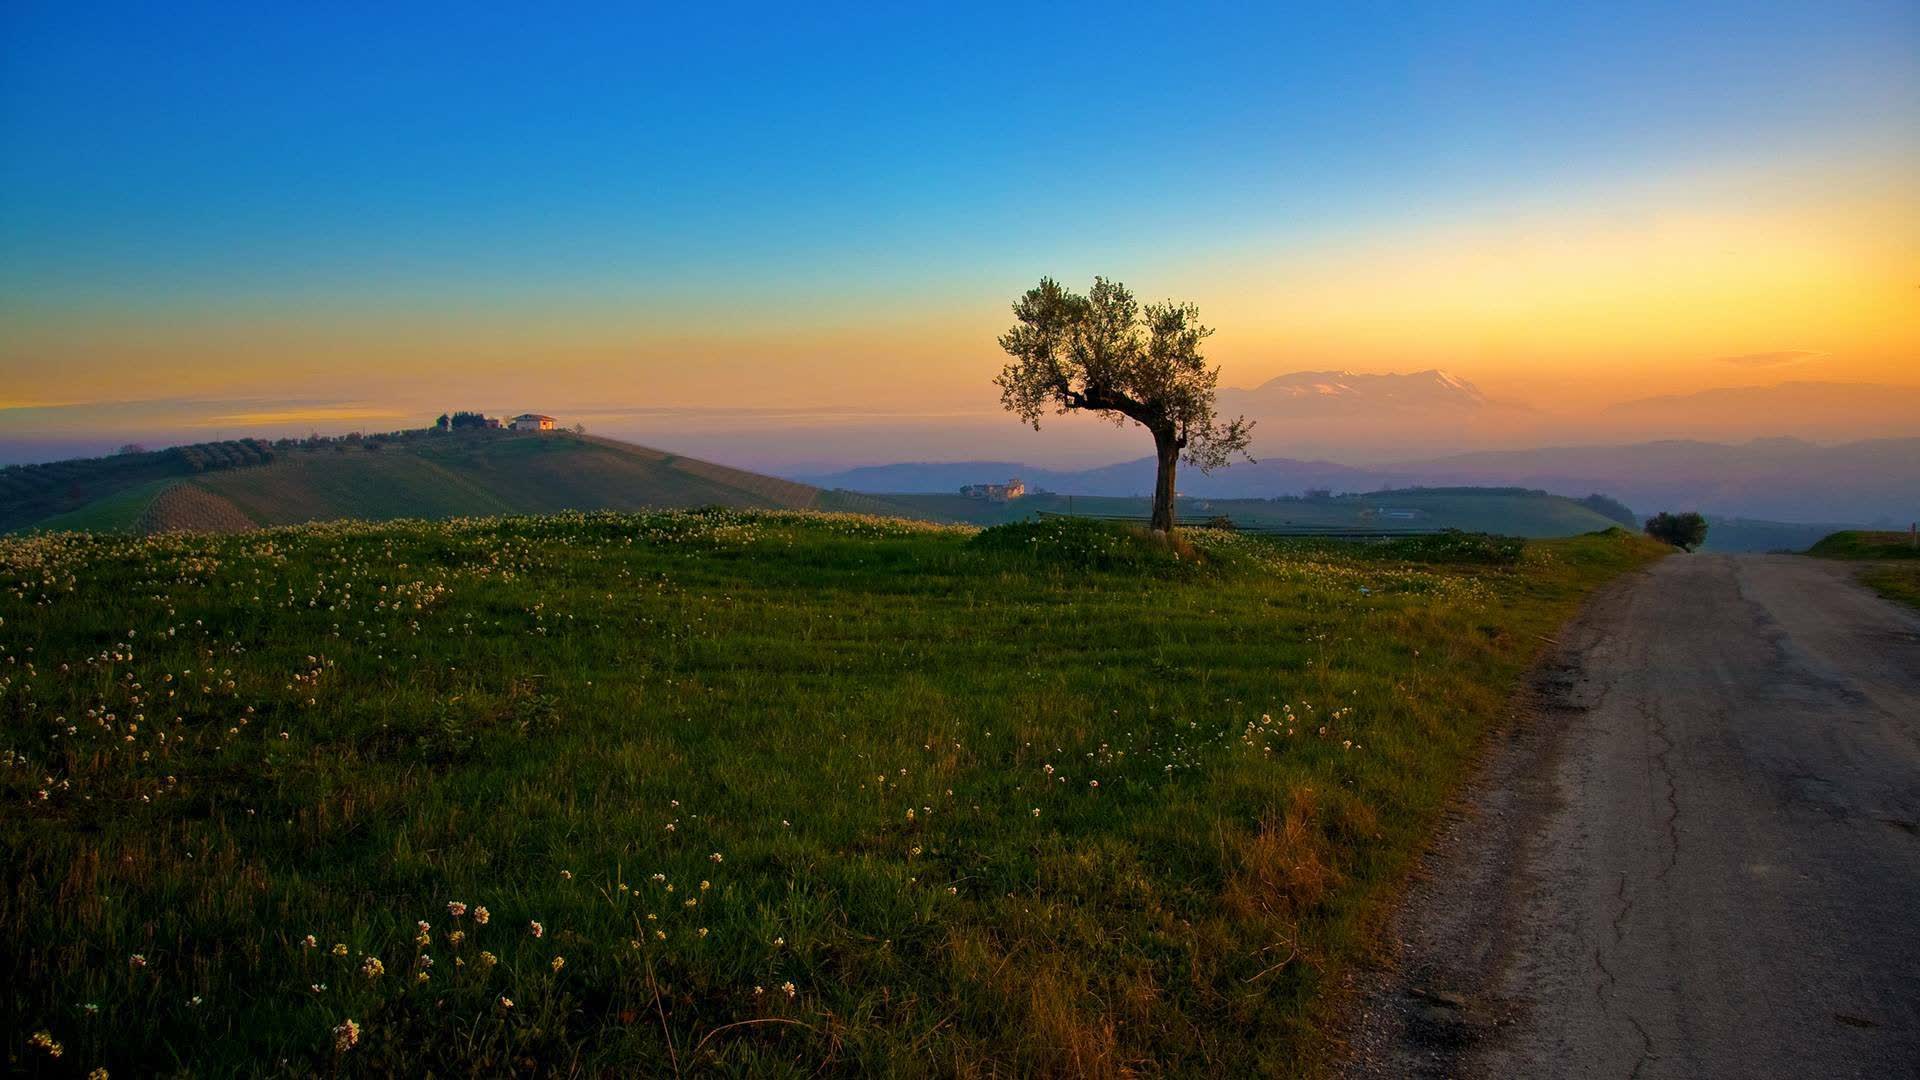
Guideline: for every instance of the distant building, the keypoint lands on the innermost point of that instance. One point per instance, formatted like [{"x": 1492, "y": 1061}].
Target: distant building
[
  {"x": 532, "y": 422},
  {"x": 1012, "y": 489},
  {"x": 1397, "y": 513},
  {"x": 494, "y": 423}
]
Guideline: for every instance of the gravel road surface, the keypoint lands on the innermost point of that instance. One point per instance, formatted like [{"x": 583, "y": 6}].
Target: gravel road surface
[{"x": 1695, "y": 854}]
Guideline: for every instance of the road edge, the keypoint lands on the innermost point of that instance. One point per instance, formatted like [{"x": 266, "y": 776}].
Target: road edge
[{"x": 1428, "y": 998}]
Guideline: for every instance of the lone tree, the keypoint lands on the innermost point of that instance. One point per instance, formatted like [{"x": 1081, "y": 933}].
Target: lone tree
[
  {"x": 1684, "y": 531},
  {"x": 1102, "y": 353}
]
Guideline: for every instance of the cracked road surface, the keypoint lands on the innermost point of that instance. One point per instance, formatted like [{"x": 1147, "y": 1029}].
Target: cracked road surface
[{"x": 1696, "y": 854}]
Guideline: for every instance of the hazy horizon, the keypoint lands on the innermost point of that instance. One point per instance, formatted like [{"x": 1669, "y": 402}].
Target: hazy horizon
[{"x": 817, "y": 439}]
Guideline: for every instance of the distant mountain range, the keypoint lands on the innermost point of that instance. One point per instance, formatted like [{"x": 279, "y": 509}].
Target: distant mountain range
[
  {"x": 1319, "y": 394},
  {"x": 1781, "y": 479},
  {"x": 1332, "y": 414}
]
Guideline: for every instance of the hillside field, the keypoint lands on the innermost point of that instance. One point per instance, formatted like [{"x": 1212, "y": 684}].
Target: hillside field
[
  {"x": 483, "y": 473},
  {"x": 1894, "y": 561},
  {"x": 763, "y": 792},
  {"x": 426, "y": 476},
  {"x": 1865, "y": 544}
]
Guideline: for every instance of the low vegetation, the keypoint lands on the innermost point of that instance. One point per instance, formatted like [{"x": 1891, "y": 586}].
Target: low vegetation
[
  {"x": 767, "y": 792},
  {"x": 1866, "y": 544},
  {"x": 1447, "y": 546},
  {"x": 1898, "y": 579},
  {"x": 1895, "y": 582},
  {"x": 31, "y": 494},
  {"x": 1686, "y": 531}
]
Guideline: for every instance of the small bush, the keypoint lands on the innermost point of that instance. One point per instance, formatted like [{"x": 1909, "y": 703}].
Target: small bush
[{"x": 1685, "y": 531}]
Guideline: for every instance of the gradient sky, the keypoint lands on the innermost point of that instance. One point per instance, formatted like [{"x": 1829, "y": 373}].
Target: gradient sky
[{"x": 336, "y": 215}]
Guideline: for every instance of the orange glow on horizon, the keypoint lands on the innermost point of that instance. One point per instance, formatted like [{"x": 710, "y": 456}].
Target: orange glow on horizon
[{"x": 1632, "y": 298}]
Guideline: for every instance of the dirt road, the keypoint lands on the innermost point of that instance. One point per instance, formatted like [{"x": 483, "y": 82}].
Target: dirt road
[{"x": 1697, "y": 854}]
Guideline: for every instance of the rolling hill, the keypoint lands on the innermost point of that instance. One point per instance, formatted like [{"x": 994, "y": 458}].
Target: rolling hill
[
  {"x": 484, "y": 473},
  {"x": 1779, "y": 479},
  {"x": 111, "y": 492},
  {"x": 441, "y": 476}
]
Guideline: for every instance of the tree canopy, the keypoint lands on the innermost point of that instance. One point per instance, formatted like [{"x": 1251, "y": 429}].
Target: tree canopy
[
  {"x": 1104, "y": 353},
  {"x": 1685, "y": 531}
]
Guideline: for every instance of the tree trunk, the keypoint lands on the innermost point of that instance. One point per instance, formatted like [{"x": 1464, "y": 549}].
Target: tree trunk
[{"x": 1168, "y": 452}]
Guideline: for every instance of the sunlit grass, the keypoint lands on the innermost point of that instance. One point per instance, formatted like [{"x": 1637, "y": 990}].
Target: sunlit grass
[{"x": 768, "y": 792}]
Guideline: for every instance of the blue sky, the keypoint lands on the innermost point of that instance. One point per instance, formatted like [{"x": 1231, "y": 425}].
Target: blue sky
[
  {"x": 263, "y": 152},
  {"x": 218, "y": 175}
]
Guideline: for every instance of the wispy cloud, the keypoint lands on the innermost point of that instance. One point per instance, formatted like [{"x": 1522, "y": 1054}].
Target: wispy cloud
[
  {"x": 1783, "y": 358},
  {"x": 15, "y": 404},
  {"x": 321, "y": 414},
  {"x": 757, "y": 413}
]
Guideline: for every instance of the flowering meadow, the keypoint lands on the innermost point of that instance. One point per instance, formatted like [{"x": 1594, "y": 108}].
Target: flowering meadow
[{"x": 771, "y": 793}]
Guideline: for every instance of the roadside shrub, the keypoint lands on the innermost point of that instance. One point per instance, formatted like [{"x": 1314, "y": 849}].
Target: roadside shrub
[{"x": 1685, "y": 531}]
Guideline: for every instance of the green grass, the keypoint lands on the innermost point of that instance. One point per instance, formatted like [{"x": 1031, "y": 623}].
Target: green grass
[
  {"x": 1865, "y": 544},
  {"x": 788, "y": 793},
  {"x": 488, "y": 473},
  {"x": 118, "y": 512},
  {"x": 441, "y": 476}
]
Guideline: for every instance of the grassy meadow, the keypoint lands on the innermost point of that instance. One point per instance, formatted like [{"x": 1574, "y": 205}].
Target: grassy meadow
[{"x": 757, "y": 792}]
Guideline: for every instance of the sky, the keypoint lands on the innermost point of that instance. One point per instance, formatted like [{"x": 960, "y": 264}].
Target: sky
[{"x": 797, "y": 229}]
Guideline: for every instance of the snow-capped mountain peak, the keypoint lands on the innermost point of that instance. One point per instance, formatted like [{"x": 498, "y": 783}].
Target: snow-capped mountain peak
[{"x": 1343, "y": 390}]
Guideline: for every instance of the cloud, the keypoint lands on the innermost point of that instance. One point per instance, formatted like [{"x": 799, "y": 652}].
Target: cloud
[
  {"x": 314, "y": 415},
  {"x": 1784, "y": 358}
]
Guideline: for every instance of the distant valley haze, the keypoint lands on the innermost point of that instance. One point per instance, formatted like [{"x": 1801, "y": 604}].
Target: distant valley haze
[
  {"x": 1356, "y": 418},
  {"x": 1805, "y": 451}
]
